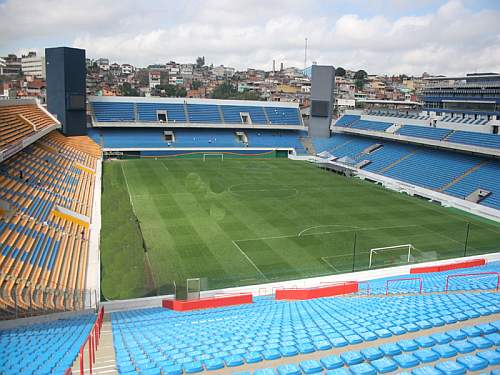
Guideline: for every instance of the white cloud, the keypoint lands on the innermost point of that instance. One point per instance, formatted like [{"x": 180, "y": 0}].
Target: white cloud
[{"x": 452, "y": 39}]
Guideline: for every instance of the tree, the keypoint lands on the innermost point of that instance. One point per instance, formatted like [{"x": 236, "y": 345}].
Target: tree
[
  {"x": 360, "y": 74},
  {"x": 195, "y": 85},
  {"x": 224, "y": 91},
  {"x": 360, "y": 79},
  {"x": 200, "y": 61},
  {"x": 340, "y": 72},
  {"x": 128, "y": 90}
]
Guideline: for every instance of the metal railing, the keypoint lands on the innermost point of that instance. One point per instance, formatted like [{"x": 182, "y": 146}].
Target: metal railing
[{"x": 21, "y": 301}]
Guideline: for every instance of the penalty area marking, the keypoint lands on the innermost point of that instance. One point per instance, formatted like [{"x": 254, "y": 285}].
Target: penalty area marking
[
  {"x": 324, "y": 259},
  {"x": 250, "y": 260},
  {"x": 327, "y": 225}
]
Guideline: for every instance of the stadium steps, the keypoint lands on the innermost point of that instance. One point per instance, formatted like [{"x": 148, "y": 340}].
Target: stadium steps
[
  {"x": 317, "y": 355},
  {"x": 308, "y": 145},
  {"x": 449, "y": 135},
  {"x": 462, "y": 176},
  {"x": 221, "y": 114},
  {"x": 105, "y": 360},
  {"x": 383, "y": 170}
]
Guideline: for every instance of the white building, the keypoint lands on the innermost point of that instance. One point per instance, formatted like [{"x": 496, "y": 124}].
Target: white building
[
  {"x": 127, "y": 69},
  {"x": 103, "y": 63},
  {"x": 223, "y": 71},
  {"x": 33, "y": 65},
  {"x": 2, "y": 65},
  {"x": 154, "y": 79}
]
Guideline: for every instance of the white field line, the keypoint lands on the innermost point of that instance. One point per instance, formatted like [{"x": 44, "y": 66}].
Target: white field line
[
  {"x": 324, "y": 259},
  {"x": 128, "y": 189},
  {"x": 164, "y": 166},
  {"x": 250, "y": 260},
  {"x": 326, "y": 225},
  {"x": 322, "y": 233}
]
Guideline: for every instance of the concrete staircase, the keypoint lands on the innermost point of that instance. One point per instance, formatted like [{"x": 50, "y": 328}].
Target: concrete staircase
[
  {"x": 465, "y": 174},
  {"x": 383, "y": 170},
  {"x": 105, "y": 362},
  {"x": 308, "y": 145},
  {"x": 449, "y": 135}
]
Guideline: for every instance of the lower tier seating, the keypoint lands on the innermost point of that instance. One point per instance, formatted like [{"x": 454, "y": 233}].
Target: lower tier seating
[
  {"x": 450, "y": 172},
  {"x": 43, "y": 348},
  {"x": 394, "y": 332},
  {"x": 194, "y": 138}
]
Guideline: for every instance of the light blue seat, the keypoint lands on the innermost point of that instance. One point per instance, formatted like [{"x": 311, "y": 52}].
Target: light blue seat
[
  {"x": 352, "y": 357},
  {"x": 406, "y": 360},
  {"x": 445, "y": 351},
  {"x": 441, "y": 338},
  {"x": 426, "y": 355},
  {"x": 390, "y": 349},
  {"x": 311, "y": 366},
  {"x": 271, "y": 354},
  {"x": 332, "y": 362},
  {"x": 289, "y": 351},
  {"x": 407, "y": 345},
  {"x": 372, "y": 353},
  {"x": 426, "y": 370},
  {"x": 384, "y": 365},
  {"x": 463, "y": 346},
  {"x": 492, "y": 356},
  {"x": 480, "y": 342},
  {"x": 290, "y": 369},
  {"x": 451, "y": 368},
  {"x": 425, "y": 341},
  {"x": 471, "y": 331},
  {"x": 363, "y": 369},
  {"x": 214, "y": 364},
  {"x": 456, "y": 334},
  {"x": 339, "y": 371},
  {"x": 193, "y": 367},
  {"x": 472, "y": 362},
  {"x": 252, "y": 357},
  {"x": 323, "y": 345},
  {"x": 306, "y": 348},
  {"x": 494, "y": 338}
]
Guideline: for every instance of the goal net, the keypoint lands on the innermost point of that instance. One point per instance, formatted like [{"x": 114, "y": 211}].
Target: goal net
[
  {"x": 390, "y": 255},
  {"x": 213, "y": 156}
]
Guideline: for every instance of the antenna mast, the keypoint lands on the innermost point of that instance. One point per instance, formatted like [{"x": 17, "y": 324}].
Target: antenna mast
[{"x": 305, "y": 55}]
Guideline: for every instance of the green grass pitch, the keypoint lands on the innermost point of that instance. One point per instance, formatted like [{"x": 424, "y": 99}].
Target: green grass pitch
[{"x": 249, "y": 221}]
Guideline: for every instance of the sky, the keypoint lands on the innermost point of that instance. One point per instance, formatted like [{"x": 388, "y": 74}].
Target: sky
[{"x": 383, "y": 37}]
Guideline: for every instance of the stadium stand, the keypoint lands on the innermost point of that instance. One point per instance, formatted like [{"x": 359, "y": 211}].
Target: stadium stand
[
  {"x": 424, "y": 132},
  {"x": 427, "y": 132},
  {"x": 371, "y": 125},
  {"x": 455, "y": 173},
  {"x": 195, "y": 138},
  {"x": 44, "y": 348},
  {"x": 477, "y": 139},
  {"x": 214, "y": 112},
  {"x": 112, "y": 112},
  {"x": 19, "y": 121},
  {"x": 360, "y": 335},
  {"x": 48, "y": 187}
]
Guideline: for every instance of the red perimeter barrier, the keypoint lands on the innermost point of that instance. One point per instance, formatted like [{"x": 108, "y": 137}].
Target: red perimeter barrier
[
  {"x": 472, "y": 274},
  {"x": 449, "y": 266},
  {"x": 208, "y": 303},
  {"x": 406, "y": 278},
  {"x": 92, "y": 340},
  {"x": 336, "y": 289}
]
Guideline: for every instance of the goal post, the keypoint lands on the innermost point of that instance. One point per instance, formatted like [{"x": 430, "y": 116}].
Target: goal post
[
  {"x": 377, "y": 250},
  {"x": 213, "y": 156}
]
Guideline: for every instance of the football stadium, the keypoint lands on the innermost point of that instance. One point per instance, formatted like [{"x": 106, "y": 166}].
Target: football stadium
[{"x": 156, "y": 235}]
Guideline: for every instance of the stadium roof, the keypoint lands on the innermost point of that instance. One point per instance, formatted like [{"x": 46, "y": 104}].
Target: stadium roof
[
  {"x": 395, "y": 102},
  {"x": 459, "y": 78}
]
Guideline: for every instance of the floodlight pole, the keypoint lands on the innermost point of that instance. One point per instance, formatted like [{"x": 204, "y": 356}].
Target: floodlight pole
[
  {"x": 466, "y": 238},
  {"x": 354, "y": 251}
]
